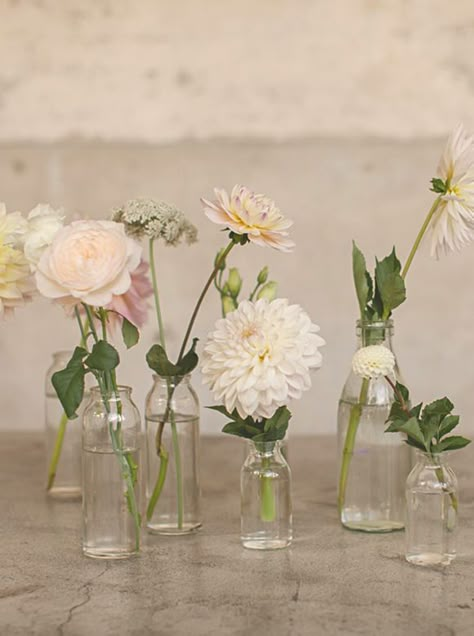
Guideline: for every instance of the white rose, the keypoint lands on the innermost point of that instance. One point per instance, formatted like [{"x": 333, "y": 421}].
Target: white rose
[
  {"x": 90, "y": 261},
  {"x": 43, "y": 224}
]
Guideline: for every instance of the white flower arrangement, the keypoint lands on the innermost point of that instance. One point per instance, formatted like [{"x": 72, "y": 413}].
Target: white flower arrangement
[{"x": 373, "y": 361}]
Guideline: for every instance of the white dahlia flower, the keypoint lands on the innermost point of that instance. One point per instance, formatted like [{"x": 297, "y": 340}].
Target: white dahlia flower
[
  {"x": 12, "y": 227},
  {"x": 44, "y": 222},
  {"x": 255, "y": 215},
  {"x": 258, "y": 358},
  {"x": 452, "y": 225},
  {"x": 373, "y": 362}
]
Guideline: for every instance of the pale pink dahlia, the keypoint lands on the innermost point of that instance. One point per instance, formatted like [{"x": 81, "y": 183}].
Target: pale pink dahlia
[
  {"x": 255, "y": 215},
  {"x": 258, "y": 358}
]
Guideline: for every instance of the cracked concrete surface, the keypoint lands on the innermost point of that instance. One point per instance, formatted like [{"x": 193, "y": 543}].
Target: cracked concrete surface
[{"x": 331, "y": 581}]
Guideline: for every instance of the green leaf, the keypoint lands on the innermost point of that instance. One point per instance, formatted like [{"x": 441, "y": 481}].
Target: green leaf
[
  {"x": 451, "y": 443},
  {"x": 190, "y": 360},
  {"x": 395, "y": 425},
  {"x": 158, "y": 362},
  {"x": 241, "y": 429},
  {"x": 411, "y": 442},
  {"x": 416, "y": 410},
  {"x": 441, "y": 407},
  {"x": 130, "y": 333},
  {"x": 103, "y": 357},
  {"x": 447, "y": 425},
  {"x": 390, "y": 284},
  {"x": 438, "y": 185},
  {"x": 412, "y": 429},
  {"x": 404, "y": 392},
  {"x": 69, "y": 383},
  {"x": 359, "y": 271},
  {"x": 275, "y": 426}
]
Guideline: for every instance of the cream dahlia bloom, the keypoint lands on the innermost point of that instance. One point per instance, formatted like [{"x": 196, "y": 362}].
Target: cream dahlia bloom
[
  {"x": 452, "y": 225},
  {"x": 373, "y": 362},
  {"x": 88, "y": 260},
  {"x": 12, "y": 227},
  {"x": 43, "y": 223},
  {"x": 255, "y": 215},
  {"x": 16, "y": 283},
  {"x": 258, "y": 358}
]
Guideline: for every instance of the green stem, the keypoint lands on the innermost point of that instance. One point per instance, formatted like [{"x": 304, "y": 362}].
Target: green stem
[
  {"x": 420, "y": 235},
  {"x": 440, "y": 476},
  {"x": 156, "y": 295},
  {"x": 267, "y": 496},
  {"x": 252, "y": 295},
  {"x": 356, "y": 412},
  {"x": 160, "y": 482},
  {"x": 58, "y": 444},
  {"x": 179, "y": 473},
  {"x": 224, "y": 255}
]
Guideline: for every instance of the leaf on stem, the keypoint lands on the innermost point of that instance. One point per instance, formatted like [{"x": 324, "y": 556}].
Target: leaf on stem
[
  {"x": 69, "y": 383},
  {"x": 103, "y": 357},
  {"x": 130, "y": 333}
]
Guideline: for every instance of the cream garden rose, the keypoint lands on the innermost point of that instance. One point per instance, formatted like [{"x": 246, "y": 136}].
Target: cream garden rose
[{"x": 88, "y": 260}]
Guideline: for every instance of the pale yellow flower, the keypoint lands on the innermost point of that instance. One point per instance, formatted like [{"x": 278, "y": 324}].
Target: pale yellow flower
[
  {"x": 16, "y": 282},
  {"x": 12, "y": 227},
  {"x": 250, "y": 214}
]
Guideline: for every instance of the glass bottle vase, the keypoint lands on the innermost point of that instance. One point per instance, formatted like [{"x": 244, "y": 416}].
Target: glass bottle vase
[
  {"x": 173, "y": 483},
  {"x": 373, "y": 465},
  {"x": 432, "y": 511},
  {"x": 265, "y": 491},
  {"x": 63, "y": 440},
  {"x": 112, "y": 444}
]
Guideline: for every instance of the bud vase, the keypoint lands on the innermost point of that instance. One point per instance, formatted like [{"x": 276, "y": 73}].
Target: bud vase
[
  {"x": 432, "y": 511},
  {"x": 112, "y": 441},
  {"x": 265, "y": 491},
  {"x": 373, "y": 465},
  {"x": 173, "y": 486},
  {"x": 63, "y": 440}
]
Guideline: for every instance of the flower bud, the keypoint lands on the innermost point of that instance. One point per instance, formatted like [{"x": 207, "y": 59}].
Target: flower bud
[
  {"x": 234, "y": 282},
  {"x": 228, "y": 305},
  {"x": 268, "y": 291},
  {"x": 263, "y": 275},
  {"x": 218, "y": 257}
]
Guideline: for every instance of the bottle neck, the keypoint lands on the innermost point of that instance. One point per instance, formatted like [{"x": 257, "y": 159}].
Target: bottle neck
[
  {"x": 374, "y": 333},
  {"x": 265, "y": 449},
  {"x": 171, "y": 381},
  {"x": 122, "y": 393},
  {"x": 432, "y": 460}
]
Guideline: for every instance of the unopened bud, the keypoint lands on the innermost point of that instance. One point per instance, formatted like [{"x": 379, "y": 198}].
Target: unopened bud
[
  {"x": 268, "y": 291},
  {"x": 263, "y": 275},
  {"x": 234, "y": 282},
  {"x": 228, "y": 305}
]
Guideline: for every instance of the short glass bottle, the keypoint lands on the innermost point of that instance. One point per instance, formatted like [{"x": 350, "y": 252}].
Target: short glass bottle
[
  {"x": 63, "y": 440},
  {"x": 173, "y": 480},
  {"x": 373, "y": 466},
  {"x": 432, "y": 511},
  {"x": 265, "y": 491},
  {"x": 112, "y": 444}
]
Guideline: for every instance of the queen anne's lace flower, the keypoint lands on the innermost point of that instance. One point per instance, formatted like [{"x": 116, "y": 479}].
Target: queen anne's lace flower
[
  {"x": 373, "y": 361},
  {"x": 16, "y": 283},
  {"x": 452, "y": 225},
  {"x": 258, "y": 358},
  {"x": 254, "y": 215},
  {"x": 155, "y": 220}
]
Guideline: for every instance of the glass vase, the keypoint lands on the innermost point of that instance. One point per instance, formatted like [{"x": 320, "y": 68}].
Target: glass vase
[
  {"x": 63, "y": 440},
  {"x": 173, "y": 485},
  {"x": 265, "y": 491},
  {"x": 112, "y": 441},
  {"x": 373, "y": 465},
  {"x": 432, "y": 511}
]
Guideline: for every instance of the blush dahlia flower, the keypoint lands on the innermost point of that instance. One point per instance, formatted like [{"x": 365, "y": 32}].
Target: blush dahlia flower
[
  {"x": 452, "y": 225},
  {"x": 373, "y": 362},
  {"x": 258, "y": 358},
  {"x": 255, "y": 215}
]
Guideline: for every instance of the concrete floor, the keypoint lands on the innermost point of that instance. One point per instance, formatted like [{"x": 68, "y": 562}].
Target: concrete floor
[{"x": 330, "y": 582}]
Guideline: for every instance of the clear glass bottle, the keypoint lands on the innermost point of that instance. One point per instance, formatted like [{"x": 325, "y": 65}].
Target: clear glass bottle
[
  {"x": 373, "y": 466},
  {"x": 112, "y": 440},
  {"x": 265, "y": 491},
  {"x": 432, "y": 511},
  {"x": 173, "y": 483},
  {"x": 63, "y": 440}
]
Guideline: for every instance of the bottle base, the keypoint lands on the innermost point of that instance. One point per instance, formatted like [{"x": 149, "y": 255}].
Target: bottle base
[
  {"x": 65, "y": 493},
  {"x": 103, "y": 554},
  {"x": 381, "y": 526},
  {"x": 265, "y": 544},
  {"x": 172, "y": 529},
  {"x": 430, "y": 559}
]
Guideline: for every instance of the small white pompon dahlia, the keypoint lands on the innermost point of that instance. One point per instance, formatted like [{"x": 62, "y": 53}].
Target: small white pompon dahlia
[
  {"x": 258, "y": 358},
  {"x": 256, "y": 215},
  {"x": 373, "y": 361},
  {"x": 452, "y": 225}
]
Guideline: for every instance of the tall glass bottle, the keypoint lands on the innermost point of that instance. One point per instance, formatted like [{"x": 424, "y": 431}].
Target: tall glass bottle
[
  {"x": 432, "y": 511},
  {"x": 373, "y": 466},
  {"x": 112, "y": 444},
  {"x": 63, "y": 440},
  {"x": 265, "y": 491},
  {"x": 173, "y": 484}
]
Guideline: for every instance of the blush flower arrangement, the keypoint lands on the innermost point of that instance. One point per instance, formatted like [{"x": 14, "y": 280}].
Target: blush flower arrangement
[
  {"x": 449, "y": 225},
  {"x": 91, "y": 266},
  {"x": 248, "y": 218}
]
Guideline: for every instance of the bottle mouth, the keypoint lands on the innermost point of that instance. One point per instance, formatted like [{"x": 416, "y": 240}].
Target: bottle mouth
[
  {"x": 374, "y": 324},
  {"x": 121, "y": 388}
]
